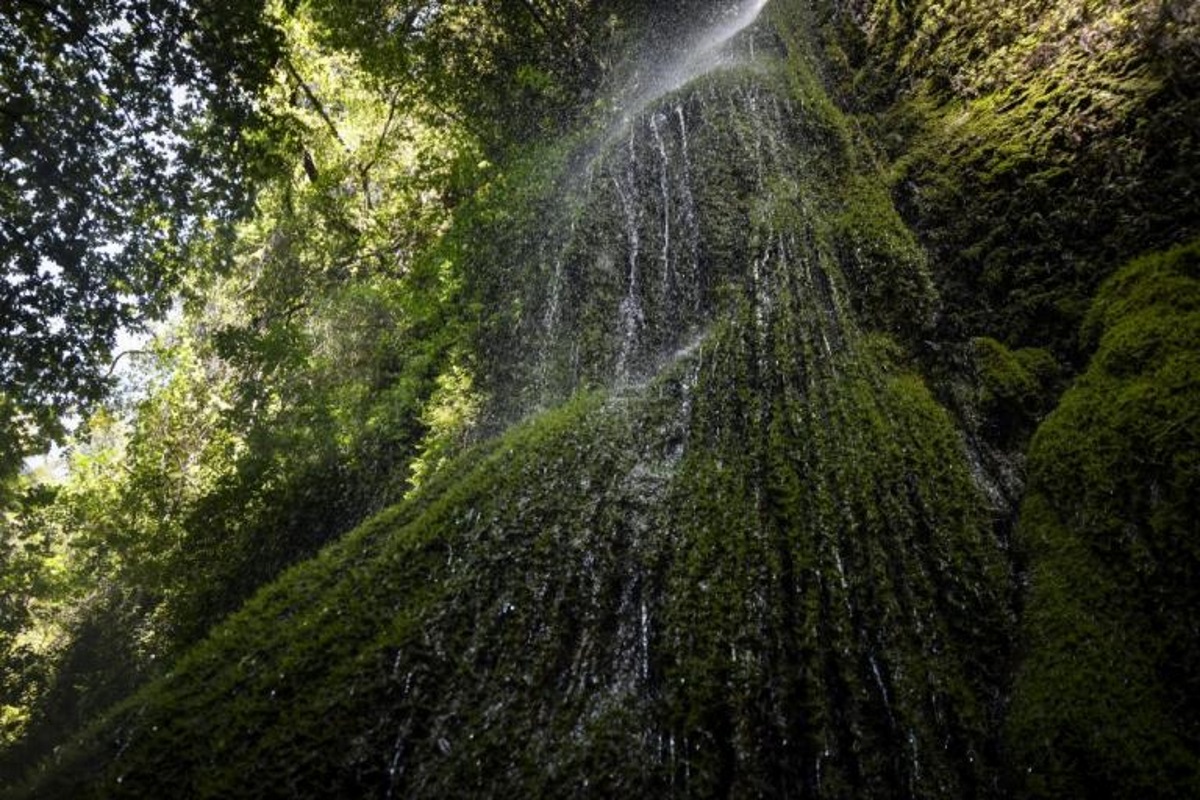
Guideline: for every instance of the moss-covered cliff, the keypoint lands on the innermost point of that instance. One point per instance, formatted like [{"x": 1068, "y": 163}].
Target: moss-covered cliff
[
  {"x": 752, "y": 532},
  {"x": 1038, "y": 149},
  {"x": 1037, "y": 146},
  {"x": 1106, "y": 703}
]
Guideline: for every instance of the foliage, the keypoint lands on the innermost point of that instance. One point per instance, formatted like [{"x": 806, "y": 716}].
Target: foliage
[
  {"x": 112, "y": 530},
  {"x": 449, "y": 418},
  {"x": 126, "y": 136},
  {"x": 505, "y": 70},
  {"x": 281, "y": 406},
  {"x": 30, "y": 575}
]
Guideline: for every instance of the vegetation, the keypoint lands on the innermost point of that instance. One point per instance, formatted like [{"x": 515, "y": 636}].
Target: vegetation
[
  {"x": 129, "y": 133},
  {"x": 1111, "y": 529},
  {"x": 1033, "y": 146},
  {"x": 315, "y": 367},
  {"x": 537, "y": 404}
]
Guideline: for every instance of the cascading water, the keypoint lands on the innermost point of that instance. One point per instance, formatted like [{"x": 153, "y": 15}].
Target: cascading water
[
  {"x": 748, "y": 558},
  {"x": 630, "y": 200},
  {"x": 701, "y": 261},
  {"x": 698, "y": 54}
]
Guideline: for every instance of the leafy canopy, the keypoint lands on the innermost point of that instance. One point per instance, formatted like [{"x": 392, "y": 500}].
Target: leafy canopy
[{"x": 122, "y": 142}]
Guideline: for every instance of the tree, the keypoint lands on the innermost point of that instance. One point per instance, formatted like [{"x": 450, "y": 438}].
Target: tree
[
  {"x": 27, "y": 577},
  {"x": 127, "y": 134},
  {"x": 276, "y": 410},
  {"x": 506, "y": 70}
]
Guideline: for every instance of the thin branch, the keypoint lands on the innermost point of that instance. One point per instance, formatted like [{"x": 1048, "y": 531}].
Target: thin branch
[
  {"x": 364, "y": 171},
  {"x": 312, "y": 98},
  {"x": 310, "y": 167},
  {"x": 113, "y": 366},
  {"x": 387, "y": 126},
  {"x": 262, "y": 321}
]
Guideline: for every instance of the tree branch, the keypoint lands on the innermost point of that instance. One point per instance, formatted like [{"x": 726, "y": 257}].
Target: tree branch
[
  {"x": 316, "y": 103},
  {"x": 364, "y": 171},
  {"x": 113, "y": 366},
  {"x": 387, "y": 126}
]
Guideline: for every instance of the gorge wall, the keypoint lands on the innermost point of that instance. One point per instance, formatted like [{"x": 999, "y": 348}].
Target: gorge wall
[{"x": 740, "y": 519}]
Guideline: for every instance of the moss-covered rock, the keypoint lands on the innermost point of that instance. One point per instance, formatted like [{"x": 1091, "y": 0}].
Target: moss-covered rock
[
  {"x": 1034, "y": 146},
  {"x": 1106, "y": 701},
  {"x": 659, "y": 593},
  {"x": 756, "y": 561},
  {"x": 1016, "y": 389}
]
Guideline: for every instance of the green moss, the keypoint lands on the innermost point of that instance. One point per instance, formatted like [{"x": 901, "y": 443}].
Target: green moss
[
  {"x": 1032, "y": 145},
  {"x": 885, "y": 264},
  {"x": 1104, "y": 704},
  {"x": 1016, "y": 389}
]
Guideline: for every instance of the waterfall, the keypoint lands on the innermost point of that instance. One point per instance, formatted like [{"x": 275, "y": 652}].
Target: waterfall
[
  {"x": 730, "y": 546},
  {"x": 630, "y": 198},
  {"x": 702, "y": 53}
]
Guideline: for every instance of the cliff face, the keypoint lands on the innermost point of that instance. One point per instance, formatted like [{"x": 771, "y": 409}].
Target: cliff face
[
  {"x": 1036, "y": 149},
  {"x": 1036, "y": 146},
  {"x": 1105, "y": 701},
  {"x": 760, "y": 540}
]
